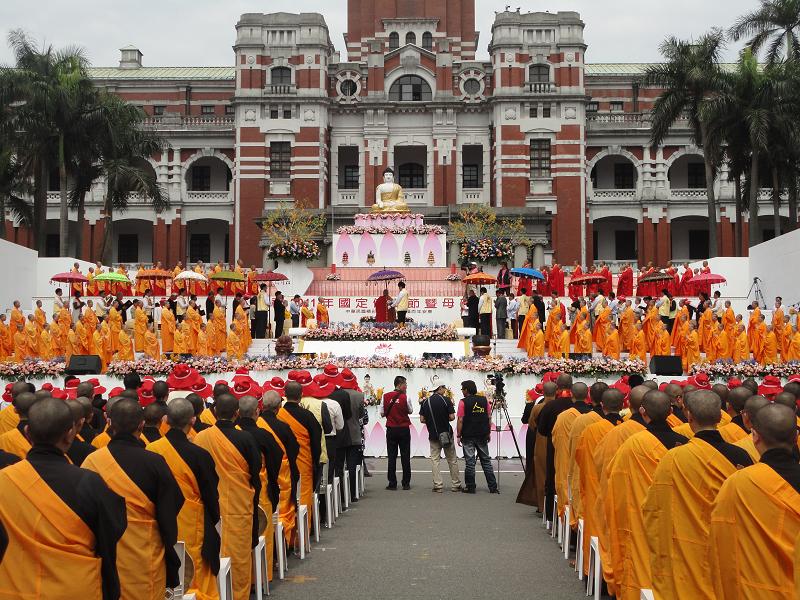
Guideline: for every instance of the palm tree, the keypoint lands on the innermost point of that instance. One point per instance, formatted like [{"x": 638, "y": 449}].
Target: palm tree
[
  {"x": 124, "y": 148},
  {"x": 689, "y": 74},
  {"x": 14, "y": 186},
  {"x": 773, "y": 25}
]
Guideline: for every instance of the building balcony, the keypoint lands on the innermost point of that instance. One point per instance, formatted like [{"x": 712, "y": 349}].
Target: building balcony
[
  {"x": 474, "y": 196},
  {"x": 416, "y": 197},
  {"x": 624, "y": 195},
  {"x": 539, "y": 87},
  {"x": 348, "y": 197},
  {"x": 177, "y": 122},
  {"x": 609, "y": 121},
  {"x": 220, "y": 197},
  {"x": 280, "y": 89},
  {"x": 688, "y": 194}
]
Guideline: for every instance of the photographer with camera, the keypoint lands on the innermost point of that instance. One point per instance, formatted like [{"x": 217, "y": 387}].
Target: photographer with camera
[
  {"x": 436, "y": 412},
  {"x": 473, "y": 428}
]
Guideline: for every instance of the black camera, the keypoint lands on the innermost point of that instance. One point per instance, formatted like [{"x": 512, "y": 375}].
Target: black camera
[{"x": 499, "y": 384}]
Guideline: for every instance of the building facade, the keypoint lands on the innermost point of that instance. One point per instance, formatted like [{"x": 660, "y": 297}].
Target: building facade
[{"x": 535, "y": 131}]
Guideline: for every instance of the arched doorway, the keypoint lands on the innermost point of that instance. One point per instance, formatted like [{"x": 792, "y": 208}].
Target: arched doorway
[
  {"x": 689, "y": 238},
  {"x": 614, "y": 172},
  {"x": 615, "y": 240},
  {"x": 207, "y": 241},
  {"x": 133, "y": 242},
  {"x": 208, "y": 174}
]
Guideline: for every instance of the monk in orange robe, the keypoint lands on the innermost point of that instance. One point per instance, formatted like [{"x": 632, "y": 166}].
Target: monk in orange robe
[
  {"x": 552, "y": 331},
  {"x": 71, "y": 346},
  {"x": 115, "y": 325},
  {"x": 233, "y": 347},
  {"x": 560, "y": 439},
  {"x": 651, "y": 326},
  {"x": 167, "y": 329},
  {"x": 753, "y": 321},
  {"x": 39, "y": 316},
  {"x": 769, "y": 351},
  {"x": 741, "y": 350},
  {"x": 535, "y": 346},
  {"x": 20, "y": 345},
  {"x": 14, "y": 441},
  {"x": 778, "y": 320},
  {"x": 611, "y": 348},
  {"x": 62, "y": 522},
  {"x": 630, "y": 474},
  {"x": 243, "y": 326},
  {"x": 584, "y": 341},
  {"x": 203, "y": 346},
  {"x": 6, "y": 339},
  {"x": 734, "y": 430},
  {"x": 139, "y": 325},
  {"x": 180, "y": 341},
  {"x": 759, "y": 336},
  {"x": 627, "y": 326},
  {"x": 601, "y": 326},
  {"x": 178, "y": 284},
  {"x": 681, "y": 317},
  {"x": 152, "y": 349},
  {"x": 45, "y": 343},
  {"x": 563, "y": 345},
  {"x": 194, "y": 471},
  {"x": 755, "y": 519},
  {"x": 729, "y": 321},
  {"x": 690, "y": 353},
  {"x": 580, "y": 425},
  {"x": 661, "y": 345},
  {"x": 99, "y": 345},
  {"x": 16, "y": 318},
  {"x": 238, "y": 464},
  {"x": 217, "y": 336},
  {"x": 793, "y": 346},
  {"x": 32, "y": 335},
  {"x": 192, "y": 318},
  {"x": 705, "y": 328},
  {"x": 638, "y": 349},
  {"x": 322, "y": 313},
  {"x": 146, "y": 558},
  {"x": 125, "y": 351}
]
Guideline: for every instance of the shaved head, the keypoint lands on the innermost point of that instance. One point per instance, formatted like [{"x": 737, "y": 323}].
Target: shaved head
[
  {"x": 793, "y": 387},
  {"x": 42, "y": 394},
  {"x": 86, "y": 403},
  {"x": 248, "y": 407},
  {"x": 85, "y": 389},
  {"x": 637, "y": 395},
  {"x": 650, "y": 384},
  {"x": 751, "y": 384},
  {"x": 226, "y": 407},
  {"x": 129, "y": 394},
  {"x": 271, "y": 401},
  {"x": 721, "y": 390},
  {"x": 673, "y": 390},
  {"x": 564, "y": 381},
  {"x": 704, "y": 408},
  {"x": 23, "y": 403},
  {"x": 197, "y": 404},
  {"x": 656, "y": 405},
  {"x": 219, "y": 389},
  {"x": 776, "y": 426},
  {"x": 160, "y": 390},
  {"x": 126, "y": 416},
  {"x": 49, "y": 421},
  {"x": 180, "y": 413},
  {"x": 76, "y": 409},
  {"x": 596, "y": 391},
  {"x": 549, "y": 389},
  {"x": 20, "y": 387},
  {"x": 579, "y": 391},
  {"x": 737, "y": 398},
  {"x": 153, "y": 413},
  {"x": 786, "y": 399},
  {"x": 751, "y": 407},
  {"x": 612, "y": 400}
]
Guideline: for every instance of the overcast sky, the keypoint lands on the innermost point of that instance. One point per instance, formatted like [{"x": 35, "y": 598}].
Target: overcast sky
[{"x": 201, "y": 32}]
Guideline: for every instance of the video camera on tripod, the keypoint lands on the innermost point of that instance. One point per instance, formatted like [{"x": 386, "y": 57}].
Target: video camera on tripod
[{"x": 497, "y": 381}]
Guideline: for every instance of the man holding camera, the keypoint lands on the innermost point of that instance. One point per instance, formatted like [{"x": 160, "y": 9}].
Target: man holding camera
[
  {"x": 473, "y": 434},
  {"x": 436, "y": 412}
]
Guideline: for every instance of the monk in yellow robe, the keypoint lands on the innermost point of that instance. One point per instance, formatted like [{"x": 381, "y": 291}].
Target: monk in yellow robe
[
  {"x": 71, "y": 346},
  {"x": 194, "y": 471},
  {"x": 552, "y": 331},
  {"x": 611, "y": 348},
  {"x": 734, "y": 429},
  {"x": 238, "y": 465},
  {"x": 39, "y": 316},
  {"x": 535, "y": 347},
  {"x": 45, "y": 343},
  {"x": 146, "y": 558},
  {"x": 630, "y": 474},
  {"x": 758, "y": 337},
  {"x": 601, "y": 326},
  {"x": 679, "y": 327},
  {"x": 586, "y": 478},
  {"x": 755, "y": 519},
  {"x": 16, "y": 318},
  {"x": 216, "y": 332},
  {"x": 99, "y": 346},
  {"x": 741, "y": 348},
  {"x": 90, "y": 317},
  {"x": 21, "y": 351},
  {"x": 563, "y": 345},
  {"x": 178, "y": 284},
  {"x": 677, "y": 509},
  {"x": 769, "y": 351},
  {"x": 627, "y": 326},
  {"x": 125, "y": 351},
  {"x": 181, "y": 336},
  {"x": 233, "y": 347},
  {"x": 583, "y": 421},
  {"x": 14, "y": 441},
  {"x": 115, "y": 325},
  {"x": 32, "y": 337},
  {"x": 192, "y": 318},
  {"x": 167, "y": 329},
  {"x": 139, "y": 325},
  {"x": 62, "y": 522},
  {"x": 751, "y": 407},
  {"x": 6, "y": 339},
  {"x": 705, "y": 328},
  {"x": 650, "y": 325},
  {"x": 322, "y": 313},
  {"x": 524, "y": 334},
  {"x": 9, "y": 418},
  {"x": 661, "y": 346},
  {"x": 752, "y": 324},
  {"x": 584, "y": 341},
  {"x": 152, "y": 348},
  {"x": 560, "y": 437},
  {"x": 308, "y": 433},
  {"x": 690, "y": 353},
  {"x": 204, "y": 347},
  {"x": 778, "y": 321},
  {"x": 729, "y": 321},
  {"x": 243, "y": 326},
  {"x": 793, "y": 346},
  {"x": 638, "y": 349}
]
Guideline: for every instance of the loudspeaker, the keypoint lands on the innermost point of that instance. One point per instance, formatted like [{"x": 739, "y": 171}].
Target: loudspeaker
[
  {"x": 437, "y": 355},
  {"x": 666, "y": 365},
  {"x": 580, "y": 355},
  {"x": 84, "y": 364}
]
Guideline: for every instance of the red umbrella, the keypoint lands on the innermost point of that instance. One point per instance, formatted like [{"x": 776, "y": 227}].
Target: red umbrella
[
  {"x": 271, "y": 276},
  {"x": 657, "y": 276},
  {"x": 68, "y": 278},
  {"x": 708, "y": 278},
  {"x": 589, "y": 278},
  {"x": 480, "y": 279}
]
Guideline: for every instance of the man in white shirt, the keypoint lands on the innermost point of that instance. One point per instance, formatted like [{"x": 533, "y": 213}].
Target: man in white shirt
[
  {"x": 485, "y": 313},
  {"x": 58, "y": 302},
  {"x": 181, "y": 304},
  {"x": 149, "y": 304},
  {"x": 512, "y": 309},
  {"x": 400, "y": 303},
  {"x": 261, "y": 319}
]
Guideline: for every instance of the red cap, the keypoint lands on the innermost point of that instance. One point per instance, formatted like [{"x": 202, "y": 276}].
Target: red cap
[
  {"x": 770, "y": 386},
  {"x": 47, "y": 387},
  {"x": 321, "y": 387},
  {"x": 276, "y": 384},
  {"x": 201, "y": 388},
  {"x": 115, "y": 392},
  {"x": 182, "y": 377},
  {"x": 347, "y": 380},
  {"x": 146, "y": 392},
  {"x": 700, "y": 381},
  {"x": 59, "y": 394},
  {"x": 734, "y": 382},
  {"x": 245, "y": 388}
]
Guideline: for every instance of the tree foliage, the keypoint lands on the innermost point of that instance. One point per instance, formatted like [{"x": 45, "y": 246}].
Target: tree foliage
[
  {"x": 292, "y": 224},
  {"x": 480, "y": 222}
]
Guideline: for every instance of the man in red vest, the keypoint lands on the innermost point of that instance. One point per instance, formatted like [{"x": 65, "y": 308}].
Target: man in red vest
[{"x": 396, "y": 409}]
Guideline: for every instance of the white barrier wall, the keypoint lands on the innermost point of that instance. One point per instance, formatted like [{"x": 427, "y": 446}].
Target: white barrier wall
[
  {"x": 18, "y": 271},
  {"x": 775, "y": 262}
]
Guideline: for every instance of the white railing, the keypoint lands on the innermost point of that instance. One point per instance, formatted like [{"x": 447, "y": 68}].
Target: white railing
[
  {"x": 473, "y": 197},
  {"x": 614, "y": 194},
  {"x": 280, "y": 88},
  {"x": 191, "y": 122},
  {"x": 763, "y": 194},
  {"x": 606, "y": 118},
  {"x": 540, "y": 87},
  {"x": 688, "y": 194},
  {"x": 416, "y": 196},
  {"x": 348, "y": 197},
  {"x": 205, "y": 197},
  {"x": 53, "y": 197}
]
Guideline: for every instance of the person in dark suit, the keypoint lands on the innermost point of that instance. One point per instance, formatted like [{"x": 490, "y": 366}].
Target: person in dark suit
[
  {"x": 472, "y": 310},
  {"x": 539, "y": 304},
  {"x": 280, "y": 314}
]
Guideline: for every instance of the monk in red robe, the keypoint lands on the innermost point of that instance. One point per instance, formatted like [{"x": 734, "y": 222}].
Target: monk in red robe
[
  {"x": 557, "y": 280},
  {"x": 575, "y": 290},
  {"x": 382, "y": 307},
  {"x": 625, "y": 282}
]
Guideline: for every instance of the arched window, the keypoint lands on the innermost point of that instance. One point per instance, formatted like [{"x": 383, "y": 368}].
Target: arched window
[
  {"x": 280, "y": 76},
  {"x": 410, "y": 88},
  {"x": 394, "y": 40},
  {"x": 411, "y": 176},
  {"x": 538, "y": 74},
  {"x": 427, "y": 40},
  {"x": 411, "y": 38}
]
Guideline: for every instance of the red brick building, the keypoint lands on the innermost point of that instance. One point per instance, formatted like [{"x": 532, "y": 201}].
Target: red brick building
[{"x": 535, "y": 131}]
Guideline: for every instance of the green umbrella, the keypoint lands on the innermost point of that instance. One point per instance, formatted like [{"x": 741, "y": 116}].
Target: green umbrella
[
  {"x": 112, "y": 276},
  {"x": 227, "y": 276}
]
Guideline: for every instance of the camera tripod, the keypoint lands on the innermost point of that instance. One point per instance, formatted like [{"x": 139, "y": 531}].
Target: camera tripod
[
  {"x": 755, "y": 289},
  {"x": 500, "y": 410}
]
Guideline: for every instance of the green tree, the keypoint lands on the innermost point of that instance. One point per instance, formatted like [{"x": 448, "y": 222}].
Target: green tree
[
  {"x": 14, "y": 186},
  {"x": 689, "y": 75},
  {"x": 772, "y": 26}
]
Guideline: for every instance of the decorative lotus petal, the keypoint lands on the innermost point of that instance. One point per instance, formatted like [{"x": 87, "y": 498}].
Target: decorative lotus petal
[
  {"x": 411, "y": 245},
  {"x": 365, "y": 246},
  {"x": 432, "y": 244},
  {"x": 344, "y": 244},
  {"x": 389, "y": 253}
]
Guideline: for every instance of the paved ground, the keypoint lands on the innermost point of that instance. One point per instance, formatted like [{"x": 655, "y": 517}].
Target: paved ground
[{"x": 417, "y": 544}]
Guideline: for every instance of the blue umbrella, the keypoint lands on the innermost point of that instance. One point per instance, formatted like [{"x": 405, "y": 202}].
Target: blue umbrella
[{"x": 531, "y": 273}]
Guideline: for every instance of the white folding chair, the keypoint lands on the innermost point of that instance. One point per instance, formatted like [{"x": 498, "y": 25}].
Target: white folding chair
[
  {"x": 347, "y": 497},
  {"x": 579, "y": 551},
  {"x": 337, "y": 500},
  {"x": 567, "y": 531},
  {"x": 224, "y": 579},
  {"x": 646, "y": 594},
  {"x": 553, "y": 525},
  {"x": 330, "y": 518},
  {"x": 595, "y": 569},
  {"x": 260, "y": 566},
  {"x": 280, "y": 544},
  {"x": 303, "y": 533},
  {"x": 362, "y": 480},
  {"x": 359, "y": 490},
  {"x": 315, "y": 517},
  {"x": 560, "y": 524},
  {"x": 177, "y": 592}
]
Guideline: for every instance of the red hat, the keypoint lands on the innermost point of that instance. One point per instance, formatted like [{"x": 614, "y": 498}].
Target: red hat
[
  {"x": 538, "y": 389},
  {"x": 794, "y": 377},
  {"x": 293, "y": 375},
  {"x": 242, "y": 377},
  {"x": 115, "y": 392},
  {"x": 182, "y": 377},
  {"x": 201, "y": 388},
  {"x": 770, "y": 386},
  {"x": 245, "y": 388},
  {"x": 98, "y": 389},
  {"x": 347, "y": 380},
  {"x": 58, "y": 394},
  {"x": 242, "y": 371},
  {"x": 550, "y": 376},
  {"x": 47, "y": 387},
  {"x": 71, "y": 388},
  {"x": 734, "y": 382},
  {"x": 220, "y": 382},
  {"x": 146, "y": 392},
  {"x": 321, "y": 387},
  {"x": 7, "y": 393},
  {"x": 622, "y": 386},
  {"x": 276, "y": 384},
  {"x": 700, "y": 381}
]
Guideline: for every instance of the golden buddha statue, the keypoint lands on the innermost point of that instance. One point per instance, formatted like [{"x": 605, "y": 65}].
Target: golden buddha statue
[{"x": 389, "y": 196}]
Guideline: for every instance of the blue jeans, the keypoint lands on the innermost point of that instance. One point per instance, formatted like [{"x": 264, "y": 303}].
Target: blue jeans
[{"x": 477, "y": 448}]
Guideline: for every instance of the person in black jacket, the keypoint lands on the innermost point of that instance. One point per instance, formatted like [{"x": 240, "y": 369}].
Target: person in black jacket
[
  {"x": 280, "y": 314},
  {"x": 539, "y": 304},
  {"x": 474, "y": 414},
  {"x": 472, "y": 310}
]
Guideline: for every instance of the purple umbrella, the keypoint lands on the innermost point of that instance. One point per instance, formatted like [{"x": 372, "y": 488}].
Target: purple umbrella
[{"x": 386, "y": 275}]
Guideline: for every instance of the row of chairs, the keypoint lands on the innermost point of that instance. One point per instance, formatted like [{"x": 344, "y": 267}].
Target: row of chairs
[
  {"x": 561, "y": 531},
  {"x": 336, "y": 503}
]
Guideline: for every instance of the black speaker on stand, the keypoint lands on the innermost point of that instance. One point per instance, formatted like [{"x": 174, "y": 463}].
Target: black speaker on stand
[
  {"x": 84, "y": 364},
  {"x": 666, "y": 365}
]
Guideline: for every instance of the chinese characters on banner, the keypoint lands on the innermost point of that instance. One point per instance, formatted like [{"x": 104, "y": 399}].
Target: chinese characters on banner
[{"x": 423, "y": 310}]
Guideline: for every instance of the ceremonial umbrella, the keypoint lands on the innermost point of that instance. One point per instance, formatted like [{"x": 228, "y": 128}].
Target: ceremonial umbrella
[
  {"x": 708, "y": 278},
  {"x": 154, "y": 274},
  {"x": 385, "y": 275},
  {"x": 657, "y": 276},
  {"x": 587, "y": 279},
  {"x": 227, "y": 276},
  {"x": 68, "y": 278},
  {"x": 271, "y": 276},
  {"x": 113, "y": 277},
  {"x": 529, "y": 273},
  {"x": 186, "y": 275},
  {"x": 479, "y": 279}
]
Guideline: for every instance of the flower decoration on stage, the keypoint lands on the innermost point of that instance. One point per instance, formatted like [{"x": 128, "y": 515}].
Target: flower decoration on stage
[
  {"x": 378, "y": 332},
  {"x": 400, "y": 224},
  {"x": 485, "y": 238},
  {"x": 370, "y": 319},
  {"x": 289, "y": 233},
  {"x": 333, "y": 277},
  {"x": 453, "y": 277},
  {"x": 487, "y": 250},
  {"x": 725, "y": 369}
]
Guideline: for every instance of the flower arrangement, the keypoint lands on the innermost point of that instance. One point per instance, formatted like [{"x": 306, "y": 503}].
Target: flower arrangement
[
  {"x": 378, "y": 332},
  {"x": 294, "y": 250},
  {"x": 487, "y": 250},
  {"x": 725, "y": 369},
  {"x": 396, "y": 229},
  {"x": 453, "y": 277},
  {"x": 333, "y": 277}
]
